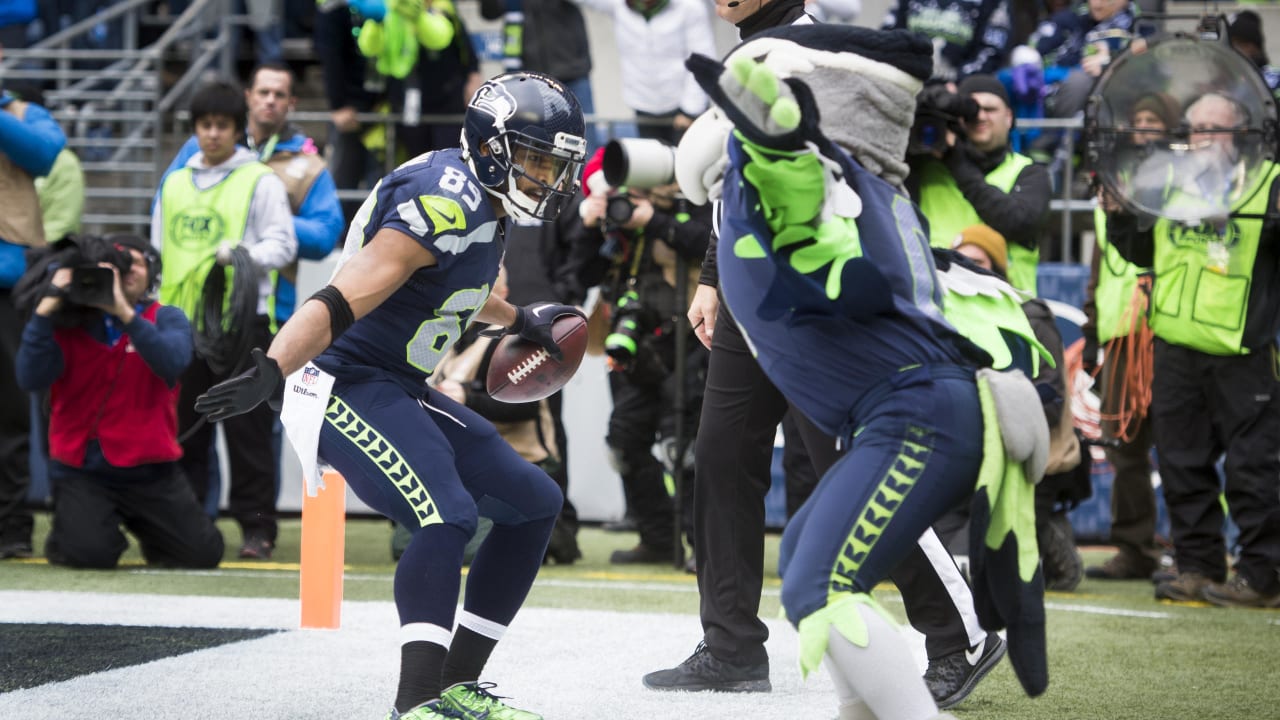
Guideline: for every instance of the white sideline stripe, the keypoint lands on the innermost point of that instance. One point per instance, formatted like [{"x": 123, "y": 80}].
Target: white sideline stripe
[
  {"x": 1099, "y": 610},
  {"x": 657, "y": 587}
]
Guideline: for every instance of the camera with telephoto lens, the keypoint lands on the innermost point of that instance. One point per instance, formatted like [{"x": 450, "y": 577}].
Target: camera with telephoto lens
[
  {"x": 939, "y": 111},
  {"x": 632, "y": 323},
  {"x": 639, "y": 163}
]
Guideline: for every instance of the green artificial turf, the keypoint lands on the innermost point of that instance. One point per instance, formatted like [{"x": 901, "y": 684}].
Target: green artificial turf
[{"x": 1114, "y": 651}]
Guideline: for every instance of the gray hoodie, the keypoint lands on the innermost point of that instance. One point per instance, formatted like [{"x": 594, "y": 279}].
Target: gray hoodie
[{"x": 268, "y": 233}]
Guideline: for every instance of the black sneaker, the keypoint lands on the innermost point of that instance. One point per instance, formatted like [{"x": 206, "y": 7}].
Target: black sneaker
[
  {"x": 257, "y": 548},
  {"x": 642, "y": 555},
  {"x": 15, "y": 549},
  {"x": 703, "y": 671},
  {"x": 952, "y": 677}
]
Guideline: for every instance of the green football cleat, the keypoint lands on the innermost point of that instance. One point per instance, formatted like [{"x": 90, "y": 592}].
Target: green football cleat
[
  {"x": 434, "y": 710},
  {"x": 475, "y": 701}
]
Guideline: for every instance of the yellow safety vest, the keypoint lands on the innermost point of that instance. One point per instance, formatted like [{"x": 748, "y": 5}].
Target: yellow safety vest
[{"x": 948, "y": 213}]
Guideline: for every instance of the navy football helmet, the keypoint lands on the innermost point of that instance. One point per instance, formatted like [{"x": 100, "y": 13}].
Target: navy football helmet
[{"x": 525, "y": 125}]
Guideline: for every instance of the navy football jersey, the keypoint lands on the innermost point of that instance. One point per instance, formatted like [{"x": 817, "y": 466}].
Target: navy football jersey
[{"x": 435, "y": 199}]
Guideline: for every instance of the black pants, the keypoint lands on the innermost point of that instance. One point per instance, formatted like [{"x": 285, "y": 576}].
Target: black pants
[
  {"x": 252, "y": 461},
  {"x": 644, "y": 413},
  {"x": 15, "y": 431},
  {"x": 351, "y": 165},
  {"x": 741, "y": 410},
  {"x": 1201, "y": 407},
  {"x": 152, "y": 501}
]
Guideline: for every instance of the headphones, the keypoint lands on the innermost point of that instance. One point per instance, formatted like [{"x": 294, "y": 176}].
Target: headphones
[{"x": 128, "y": 241}]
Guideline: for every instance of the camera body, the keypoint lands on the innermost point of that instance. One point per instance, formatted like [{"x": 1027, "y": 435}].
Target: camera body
[
  {"x": 619, "y": 208},
  {"x": 91, "y": 286},
  {"x": 939, "y": 111}
]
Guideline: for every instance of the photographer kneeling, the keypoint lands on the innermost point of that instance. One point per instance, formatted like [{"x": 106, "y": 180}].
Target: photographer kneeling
[
  {"x": 645, "y": 228},
  {"x": 963, "y": 172},
  {"x": 111, "y": 357}
]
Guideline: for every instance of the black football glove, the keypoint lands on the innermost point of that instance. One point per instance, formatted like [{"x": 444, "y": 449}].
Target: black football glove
[
  {"x": 244, "y": 392},
  {"x": 533, "y": 323}
]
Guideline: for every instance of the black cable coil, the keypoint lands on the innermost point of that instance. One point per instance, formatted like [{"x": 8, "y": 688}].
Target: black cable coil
[{"x": 224, "y": 341}]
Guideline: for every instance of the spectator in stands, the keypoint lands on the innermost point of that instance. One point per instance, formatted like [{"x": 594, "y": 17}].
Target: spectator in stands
[
  {"x": 445, "y": 79},
  {"x": 61, "y": 191},
  {"x": 112, "y": 370},
  {"x": 653, "y": 38},
  {"x": 1075, "y": 46},
  {"x": 969, "y": 36},
  {"x": 549, "y": 36},
  {"x": 62, "y": 196},
  {"x": 1214, "y": 386},
  {"x": 1117, "y": 310},
  {"x": 30, "y": 141},
  {"x": 976, "y": 178},
  {"x": 350, "y": 87},
  {"x": 1245, "y": 35},
  {"x": 429, "y": 70},
  {"x": 225, "y": 211},
  {"x": 15, "y": 16}
]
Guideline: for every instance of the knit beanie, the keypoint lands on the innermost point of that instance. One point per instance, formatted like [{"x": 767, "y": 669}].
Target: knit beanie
[
  {"x": 985, "y": 84},
  {"x": 1162, "y": 105},
  {"x": 990, "y": 241},
  {"x": 864, "y": 81}
]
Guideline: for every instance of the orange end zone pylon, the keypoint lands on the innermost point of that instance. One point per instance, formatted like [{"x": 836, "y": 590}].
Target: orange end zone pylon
[{"x": 324, "y": 520}]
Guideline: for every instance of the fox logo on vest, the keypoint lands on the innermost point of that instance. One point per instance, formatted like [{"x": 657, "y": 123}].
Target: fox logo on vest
[
  {"x": 1204, "y": 234},
  {"x": 198, "y": 228}
]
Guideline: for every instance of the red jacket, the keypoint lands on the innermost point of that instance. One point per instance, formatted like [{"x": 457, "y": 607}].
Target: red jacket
[{"x": 111, "y": 382}]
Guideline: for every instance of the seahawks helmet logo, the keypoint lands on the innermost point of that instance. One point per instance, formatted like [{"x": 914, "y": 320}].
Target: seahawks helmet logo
[{"x": 494, "y": 100}]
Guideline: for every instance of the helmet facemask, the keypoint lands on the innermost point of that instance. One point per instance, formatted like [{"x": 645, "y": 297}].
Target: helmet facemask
[{"x": 549, "y": 171}]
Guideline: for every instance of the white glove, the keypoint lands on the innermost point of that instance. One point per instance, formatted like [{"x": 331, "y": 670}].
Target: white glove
[
  {"x": 223, "y": 255},
  {"x": 701, "y": 158}
]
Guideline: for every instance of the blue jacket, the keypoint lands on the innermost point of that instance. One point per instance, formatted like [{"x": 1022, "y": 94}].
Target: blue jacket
[
  {"x": 13, "y": 12},
  {"x": 32, "y": 143},
  {"x": 318, "y": 224}
]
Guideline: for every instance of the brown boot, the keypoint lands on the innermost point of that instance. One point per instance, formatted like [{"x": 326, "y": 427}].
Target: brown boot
[
  {"x": 1237, "y": 592},
  {"x": 1187, "y": 587}
]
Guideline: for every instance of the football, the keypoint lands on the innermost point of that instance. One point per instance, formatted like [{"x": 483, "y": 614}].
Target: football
[{"x": 522, "y": 371}]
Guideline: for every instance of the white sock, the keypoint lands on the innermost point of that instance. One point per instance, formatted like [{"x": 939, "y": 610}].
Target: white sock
[{"x": 883, "y": 674}]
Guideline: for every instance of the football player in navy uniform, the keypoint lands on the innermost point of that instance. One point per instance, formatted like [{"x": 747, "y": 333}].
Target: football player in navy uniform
[{"x": 421, "y": 258}]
